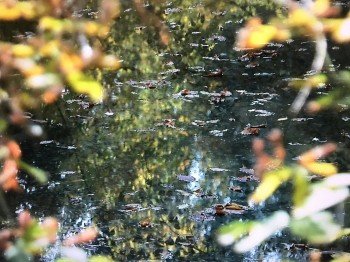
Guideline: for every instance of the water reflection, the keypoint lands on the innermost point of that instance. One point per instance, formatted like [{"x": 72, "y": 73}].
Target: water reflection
[{"x": 119, "y": 168}]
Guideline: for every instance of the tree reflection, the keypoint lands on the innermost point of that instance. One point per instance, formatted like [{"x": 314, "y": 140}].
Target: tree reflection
[{"x": 127, "y": 159}]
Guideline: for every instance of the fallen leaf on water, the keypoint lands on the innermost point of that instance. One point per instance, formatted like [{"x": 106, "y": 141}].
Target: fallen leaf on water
[
  {"x": 217, "y": 73},
  {"x": 234, "y": 206},
  {"x": 146, "y": 223},
  {"x": 250, "y": 131},
  {"x": 169, "y": 123},
  {"x": 236, "y": 189},
  {"x": 185, "y": 92},
  {"x": 229, "y": 208},
  {"x": 253, "y": 130}
]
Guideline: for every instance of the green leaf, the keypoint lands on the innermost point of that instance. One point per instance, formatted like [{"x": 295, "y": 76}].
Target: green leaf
[
  {"x": 228, "y": 234},
  {"x": 269, "y": 183},
  {"x": 15, "y": 254},
  {"x": 301, "y": 186},
  {"x": 319, "y": 228},
  {"x": 39, "y": 174},
  {"x": 3, "y": 125},
  {"x": 100, "y": 259}
]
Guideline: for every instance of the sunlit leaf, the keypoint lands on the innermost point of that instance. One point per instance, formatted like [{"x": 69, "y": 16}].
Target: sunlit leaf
[
  {"x": 338, "y": 180},
  {"x": 320, "y": 198},
  {"x": 21, "y": 50},
  {"x": 302, "y": 19},
  {"x": 320, "y": 168},
  {"x": 270, "y": 182},
  {"x": 85, "y": 85},
  {"x": 319, "y": 228},
  {"x": 37, "y": 173},
  {"x": 9, "y": 13},
  {"x": 340, "y": 30},
  {"x": 255, "y": 34},
  {"x": 42, "y": 81},
  {"x": 320, "y": 7},
  {"x": 262, "y": 231}
]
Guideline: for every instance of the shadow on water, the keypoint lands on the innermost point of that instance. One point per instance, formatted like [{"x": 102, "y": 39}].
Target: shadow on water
[{"x": 149, "y": 165}]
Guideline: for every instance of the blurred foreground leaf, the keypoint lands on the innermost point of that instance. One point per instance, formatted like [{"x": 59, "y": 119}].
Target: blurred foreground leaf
[
  {"x": 85, "y": 85},
  {"x": 320, "y": 198},
  {"x": 301, "y": 186},
  {"x": 319, "y": 228},
  {"x": 269, "y": 183},
  {"x": 37, "y": 173},
  {"x": 256, "y": 232}
]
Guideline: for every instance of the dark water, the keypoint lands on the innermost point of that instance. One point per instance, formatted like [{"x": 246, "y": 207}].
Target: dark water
[{"x": 116, "y": 164}]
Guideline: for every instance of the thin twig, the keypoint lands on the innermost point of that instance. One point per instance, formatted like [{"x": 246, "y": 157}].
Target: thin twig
[{"x": 316, "y": 67}]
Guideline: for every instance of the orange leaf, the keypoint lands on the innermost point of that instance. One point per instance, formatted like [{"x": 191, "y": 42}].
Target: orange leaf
[
  {"x": 14, "y": 149},
  {"x": 84, "y": 236},
  {"x": 317, "y": 153}
]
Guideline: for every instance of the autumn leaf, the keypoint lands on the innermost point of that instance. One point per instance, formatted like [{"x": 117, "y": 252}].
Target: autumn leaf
[{"x": 269, "y": 183}]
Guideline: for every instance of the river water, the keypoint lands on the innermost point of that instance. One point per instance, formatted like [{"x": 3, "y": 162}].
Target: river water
[{"x": 149, "y": 164}]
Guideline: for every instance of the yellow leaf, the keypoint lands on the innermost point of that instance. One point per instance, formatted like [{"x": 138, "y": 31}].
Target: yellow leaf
[
  {"x": 21, "y": 50},
  {"x": 27, "y": 9},
  {"x": 269, "y": 183},
  {"x": 341, "y": 33},
  {"x": 320, "y": 168},
  {"x": 85, "y": 85},
  {"x": 302, "y": 18},
  {"x": 9, "y": 13},
  {"x": 261, "y": 36},
  {"x": 320, "y": 7}
]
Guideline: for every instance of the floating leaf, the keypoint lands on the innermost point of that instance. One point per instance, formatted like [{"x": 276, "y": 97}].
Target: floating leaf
[
  {"x": 37, "y": 173},
  {"x": 319, "y": 228},
  {"x": 270, "y": 182}
]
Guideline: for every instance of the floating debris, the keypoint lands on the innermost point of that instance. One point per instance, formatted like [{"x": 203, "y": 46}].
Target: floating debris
[
  {"x": 217, "y": 169},
  {"x": 246, "y": 178},
  {"x": 217, "y": 73},
  {"x": 185, "y": 178},
  {"x": 249, "y": 171},
  {"x": 132, "y": 208},
  {"x": 252, "y": 130}
]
